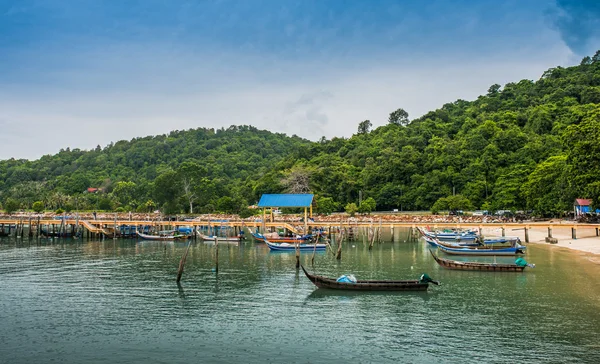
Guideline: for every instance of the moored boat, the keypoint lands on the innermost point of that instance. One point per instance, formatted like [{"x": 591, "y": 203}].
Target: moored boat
[
  {"x": 490, "y": 267},
  {"x": 476, "y": 250},
  {"x": 301, "y": 239},
  {"x": 371, "y": 285},
  {"x": 451, "y": 236},
  {"x": 221, "y": 238},
  {"x": 163, "y": 236},
  {"x": 292, "y": 246}
]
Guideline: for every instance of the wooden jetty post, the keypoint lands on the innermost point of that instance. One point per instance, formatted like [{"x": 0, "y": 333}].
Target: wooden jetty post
[
  {"x": 597, "y": 232},
  {"x": 574, "y": 232},
  {"x": 526, "y": 233},
  {"x": 550, "y": 231},
  {"x": 312, "y": 260},
  {"x": 298, "y": 252},
  {"x": 216, "y": 254},
  {"x": 182, "y": 262},
  {"x": 503, "y": 230},
  {"x": 338, "y": 254},
  {"x": 480, "y": 230}
]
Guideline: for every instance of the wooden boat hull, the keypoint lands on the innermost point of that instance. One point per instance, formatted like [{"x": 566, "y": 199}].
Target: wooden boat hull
[
  {"x": 473, "y": 266},
  {"x": 162, "y": 237},
  {"x": 261, "y": 237},
  {"x": 292, "y": 247},
  {"x": 483, "y": 251},
  {"x": 362, "y": 285},
  {"x": 450, "y": 237},
  {"x": 232, "y": 239},
  {"x": 479, "y": 251}
]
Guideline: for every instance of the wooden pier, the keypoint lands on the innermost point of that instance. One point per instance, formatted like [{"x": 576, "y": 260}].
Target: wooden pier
[{"x": 106, "y": 228}]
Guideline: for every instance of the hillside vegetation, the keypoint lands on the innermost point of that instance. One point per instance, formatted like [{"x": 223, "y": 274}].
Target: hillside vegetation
[{"x": 529, "y": 145}]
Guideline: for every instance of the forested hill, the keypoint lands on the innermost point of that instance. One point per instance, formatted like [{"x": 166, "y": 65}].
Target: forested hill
[
  {"x": 214, "y": 169},
  {"x": 531, "y": 145},
  {"x": 528, "y": 145}
]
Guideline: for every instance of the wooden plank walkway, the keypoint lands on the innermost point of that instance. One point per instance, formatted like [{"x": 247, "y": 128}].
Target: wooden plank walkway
[{"x": 96, "y": 225}]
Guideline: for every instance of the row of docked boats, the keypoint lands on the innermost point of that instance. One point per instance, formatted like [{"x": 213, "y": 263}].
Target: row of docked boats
[
  {"x": 451, "y": 244},
  {"x": 465, "y": 243},
  {"x": 304, "y": 243},
  {"x": 479, "y": 246}
]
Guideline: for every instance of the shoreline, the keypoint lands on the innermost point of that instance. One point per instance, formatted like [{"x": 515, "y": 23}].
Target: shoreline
[{"x": 586, "y": 241}]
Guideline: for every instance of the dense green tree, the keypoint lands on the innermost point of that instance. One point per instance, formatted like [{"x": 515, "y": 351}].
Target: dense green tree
[
  {"x": 351, "y": 208},
  {"x": 364, "y": 127},
  {"x": 11, "y": 205},
  {"x": 326, "y": 205},
  {"x": 367, "y": 206},
  {"x": 38, "y": 206},
  {"x": 399, "y": 117},
  {"x": 451, "y": 203}
]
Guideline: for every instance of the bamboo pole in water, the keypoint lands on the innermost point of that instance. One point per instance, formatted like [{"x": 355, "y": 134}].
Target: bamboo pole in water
[
  {"x": 373, "y": 235},
  {"x": 216, "y": 254},
  {"x": 315, "y": 251},
  {"x": 182, "y": 262},
  {"x": 297, "y": 255},
  {"x": 338, "y": 255}
]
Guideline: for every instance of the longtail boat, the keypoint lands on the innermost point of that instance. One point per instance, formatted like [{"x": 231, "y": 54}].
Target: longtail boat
[
  {"x": 171, "y": 236},
  {"x": 476, "y": 250},
  {"x": 464, "y": 236},
  {"x": 221, "y": 238},
  {"x": 371, "y": 285},
  {"x": 489, "y": 267},
  {"x": 292, "y": 246},
  {"x": 300, "y": 239}
]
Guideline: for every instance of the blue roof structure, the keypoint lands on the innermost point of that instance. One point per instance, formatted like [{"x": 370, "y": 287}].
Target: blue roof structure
[{"x": 286, "y": 200}]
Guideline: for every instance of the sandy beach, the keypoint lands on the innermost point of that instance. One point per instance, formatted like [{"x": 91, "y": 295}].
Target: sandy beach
[{"x": 586, "y": 240}]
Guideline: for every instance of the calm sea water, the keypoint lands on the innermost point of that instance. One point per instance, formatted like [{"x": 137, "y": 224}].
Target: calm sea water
[{"x": 116, "y": 301}]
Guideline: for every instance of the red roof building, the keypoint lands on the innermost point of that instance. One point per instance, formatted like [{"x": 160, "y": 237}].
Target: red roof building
[{"x": 582, "y": 202}]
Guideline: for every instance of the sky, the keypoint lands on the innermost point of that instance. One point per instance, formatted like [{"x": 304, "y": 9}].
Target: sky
[{"x": 82, "y": 73}]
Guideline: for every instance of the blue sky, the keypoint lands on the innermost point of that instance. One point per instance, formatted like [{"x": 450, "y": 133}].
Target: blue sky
[{"x": 82, "y": 73}]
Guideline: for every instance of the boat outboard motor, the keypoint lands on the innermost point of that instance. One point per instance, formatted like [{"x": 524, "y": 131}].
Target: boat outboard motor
[{"x": 425, "y": 278}]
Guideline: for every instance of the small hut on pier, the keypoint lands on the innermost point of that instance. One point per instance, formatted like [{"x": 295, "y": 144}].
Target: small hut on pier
[
  {"x": 296, "y": 200},
  {"x": 582, "y": 206}
]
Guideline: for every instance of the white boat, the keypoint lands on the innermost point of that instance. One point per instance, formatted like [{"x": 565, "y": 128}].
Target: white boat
[
  {"x": 220, "y": 238},
  {"x": 169, "y": 236}
]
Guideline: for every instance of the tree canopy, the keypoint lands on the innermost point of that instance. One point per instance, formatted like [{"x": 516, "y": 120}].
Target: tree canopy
[{"x": 531, "y": 145}]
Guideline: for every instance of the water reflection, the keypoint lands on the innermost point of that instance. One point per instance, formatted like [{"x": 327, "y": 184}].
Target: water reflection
[
  {"x": 117, "y": 301},
  {"x": 322, "y": 293}
]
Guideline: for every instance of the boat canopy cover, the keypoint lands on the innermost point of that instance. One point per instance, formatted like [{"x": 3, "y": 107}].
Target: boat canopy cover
[
  {"x": 286, "y": 200},
  {"x": 521, "y": 262}
]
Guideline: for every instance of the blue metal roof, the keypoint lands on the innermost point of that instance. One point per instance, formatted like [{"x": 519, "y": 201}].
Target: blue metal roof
[{"x": 286, "y": 200}]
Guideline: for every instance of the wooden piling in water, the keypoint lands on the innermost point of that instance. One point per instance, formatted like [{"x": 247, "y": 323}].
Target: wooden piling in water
[
  {"x": 550, "y": 231},
  {"x": 574, "y": 233},
  {"x": 526, "y": 234},
  {"x": 182, "y": 262},
  {"x": 216, "y": 254}
]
